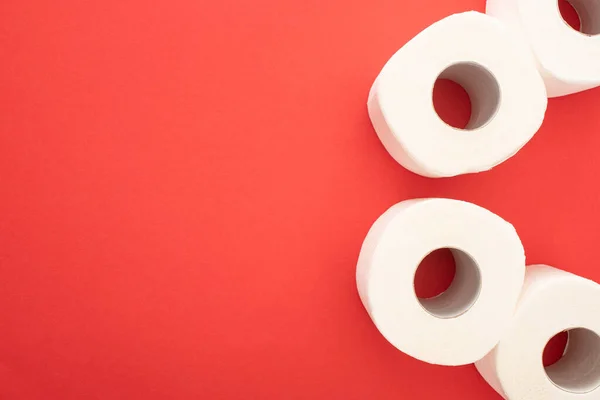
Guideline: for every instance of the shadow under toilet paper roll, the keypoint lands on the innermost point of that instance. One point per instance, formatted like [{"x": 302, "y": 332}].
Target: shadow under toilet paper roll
[
  {"x": 507, "y": 94},
  {"x": 552, "y": 301},
  {"x": 567, "y": 59},
  {"x": 463, "y": 323}
]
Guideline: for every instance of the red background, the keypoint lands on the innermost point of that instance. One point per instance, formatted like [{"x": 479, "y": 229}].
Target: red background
[{"x": 185, "y": 186}]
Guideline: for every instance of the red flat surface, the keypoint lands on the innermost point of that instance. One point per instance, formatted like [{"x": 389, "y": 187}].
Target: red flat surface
[{"x": 185, "y": 186}]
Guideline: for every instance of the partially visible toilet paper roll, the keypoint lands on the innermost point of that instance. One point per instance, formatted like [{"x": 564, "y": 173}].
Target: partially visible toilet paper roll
[
  {"x": 508, "y": 98},
  {"x": 465, "y": 322},
  {"x": 568, "y": 60},
  {"x": 552, "y": 301}
]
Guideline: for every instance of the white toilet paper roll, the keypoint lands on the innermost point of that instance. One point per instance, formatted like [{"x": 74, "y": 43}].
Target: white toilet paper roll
[
  {"x": 464, "y": 323},
  {"x": 508, "y": 98},
  {"x": 568, "y": 60},
  {"x": 552, "y": 301}
]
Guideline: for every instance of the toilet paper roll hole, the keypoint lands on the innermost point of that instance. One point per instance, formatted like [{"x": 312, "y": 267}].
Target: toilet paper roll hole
[
  {"x": 435, "y": 274},
  {"x": 482, "y": 89},
  {"x": 581, "y": 15},
  {"x": 578, "y": 370},
  {"x": 451, "y": 103},
  {"x": 555, "y": 348},
  {"x": 463, "y": 291}
]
